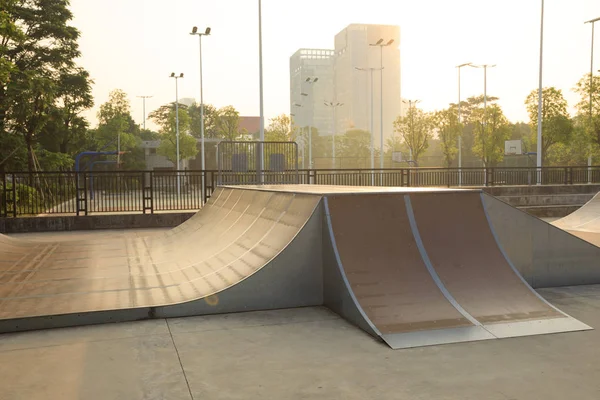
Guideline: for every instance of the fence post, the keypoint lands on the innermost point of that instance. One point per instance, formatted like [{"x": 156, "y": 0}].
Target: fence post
[{"x": 3, "y": 204}]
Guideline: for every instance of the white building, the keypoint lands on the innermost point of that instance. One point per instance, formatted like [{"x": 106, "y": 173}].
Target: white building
[{"x": 307, "y": 98}]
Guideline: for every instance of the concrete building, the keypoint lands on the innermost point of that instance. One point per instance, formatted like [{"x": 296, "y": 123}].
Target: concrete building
[
  {"x": 307, "y": 99},
  {"x": 354, "y": 47},
  {"x": 340, "y": 82}
]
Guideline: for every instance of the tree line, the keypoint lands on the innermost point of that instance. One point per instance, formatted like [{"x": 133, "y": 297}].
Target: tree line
[
  {"x": 566, "y": 140},
  {"x": 43, "y": 93}
]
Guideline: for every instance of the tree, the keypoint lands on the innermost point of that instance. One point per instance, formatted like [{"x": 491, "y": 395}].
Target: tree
[
  {"x": 65, "y": 132},
  {"x": 590, "y": 119},
  {"x": 448, "y": 130},
  {"x": 37, "y": 47},
  {"x": 491, "y": 130},
  {"x": 355, "y": 143},
  {"x": 556, "y": 124},
  {"x": 228, "y": 123},
  {"x": 165, "y": 118},
  {"x": 114, "y": 123},
  {"x": 210, "y": 121},
  {"x": 415, "y": 129},
  {"x": 280, "y": 129}
]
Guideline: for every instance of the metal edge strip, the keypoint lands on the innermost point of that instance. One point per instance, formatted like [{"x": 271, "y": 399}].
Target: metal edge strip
[
  {"x": 429, "y": 265},
  {"x": 341, "y": 269},
  {"x": 493, "y": 231}
]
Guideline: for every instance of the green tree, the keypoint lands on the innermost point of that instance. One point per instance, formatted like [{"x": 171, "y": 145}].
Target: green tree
[
  {"x": 165, "y": 118},
  {"x": 228, "y": 123},
  {"x": 556, "y": 124},
  {"x": 66, "y": 130},
  {"x": 114, "y": 123},
  {"x": 491, "y": 130},
  {"x": 355, "y": 143},
  {"x": 448, "y": 130},
  {"x": 416, "y": 128},
  {"x": 280, "y": 129},
  {"x": 37, "y": 47},
  {"x": 210, "y": 121},
  {"x": 588, "y": 118}
]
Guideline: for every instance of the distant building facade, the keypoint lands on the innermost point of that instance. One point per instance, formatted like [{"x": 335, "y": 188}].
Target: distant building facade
[
  {"x": 341, "y": 82},
  {"x": 307, "y": 99}
]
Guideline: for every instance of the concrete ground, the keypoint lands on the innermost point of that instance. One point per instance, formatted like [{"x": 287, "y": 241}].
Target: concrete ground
[{"x": 297, "y": 354}]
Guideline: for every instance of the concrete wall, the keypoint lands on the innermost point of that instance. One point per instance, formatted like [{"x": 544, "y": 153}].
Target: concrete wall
[
  {"x": 91, "y": 222},
  {"x": 545, "y": 255}
]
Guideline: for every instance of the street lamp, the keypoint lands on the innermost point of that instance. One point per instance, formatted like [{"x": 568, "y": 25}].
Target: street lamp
[
  {"x": 202, "y": 159},
  {"x": 309, "y": 81},
  {"x": 176, "y": 77},
  {"x": 459, "y": 121},
  {"x": 381, "y": 46},
  {"x": 411, "y": 104},
  {"x": 540, "y": 90},
  {"x": 591, "y": 21},
  {"x": 333, "y": 106},
  {"x": 144, "y": 108},
  {"x": 372, "y": 116},
  {"x": 260, "y": 80}
]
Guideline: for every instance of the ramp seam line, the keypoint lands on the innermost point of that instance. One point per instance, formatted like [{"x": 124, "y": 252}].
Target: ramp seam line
[
  {"x": 179, "y": 358},
  {"x": 436, "y": 278}
]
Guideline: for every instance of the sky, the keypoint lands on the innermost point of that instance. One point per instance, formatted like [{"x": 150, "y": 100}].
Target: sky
[{"x": 134, "y": 45}]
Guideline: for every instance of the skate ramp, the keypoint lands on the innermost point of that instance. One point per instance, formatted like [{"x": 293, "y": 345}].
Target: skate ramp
[
  {"x": 585, "y": 219},
  {"x": 234, "y": 237},
  {"x": 426, "y": 268}
]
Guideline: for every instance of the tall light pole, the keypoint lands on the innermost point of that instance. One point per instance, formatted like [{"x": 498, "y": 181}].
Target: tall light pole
[
  {"x": 333, "y": 106},
  {"x": 540, "y": 89},
  {"x": 144, "y": 108},
  {"x": 260, "y": 80},
  {"x": 309, "y": 81},
  {"x": 177, "y": 77},
  {"x": 592, "y": 21},
  {"x": 411, "y": 104},
  {"x": 485, "y": 67},
  {"x": 458, "y": 67},
  {"x": 381, "y": 46},
  {"x": 202, "y": 159},
  {"x": 372, "y": 118},
  {"x": 301, "y": 137}
]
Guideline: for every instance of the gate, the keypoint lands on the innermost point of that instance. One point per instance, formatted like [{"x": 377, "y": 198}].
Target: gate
[{"x": 257, "y": 163}]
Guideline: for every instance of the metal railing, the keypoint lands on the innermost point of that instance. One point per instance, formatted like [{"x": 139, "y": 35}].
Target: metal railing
[{"x": 83, "y": 193}]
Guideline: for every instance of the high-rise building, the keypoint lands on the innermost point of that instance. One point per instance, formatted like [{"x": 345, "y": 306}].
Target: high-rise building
[
  {"x": 356, "y": 47},
  {"x": 311, "y": 85}
]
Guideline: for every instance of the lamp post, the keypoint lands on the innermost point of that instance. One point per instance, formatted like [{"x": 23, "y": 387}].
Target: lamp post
[
  {"x": 592, "y": 22},
  {"x": 260, "y": 80},
  {"x": 202, "y": 159},
  {"x": 309, "y": 81},
  {"x": 177, "y": 77},
  {"x": 381, "y": 46},
  {"x": 333, "y": 106},
  {"x": 540, "y": 90},
  {"x": 144, "y": 108},
  {"x": 459, "y": 121},
  {"x": 372, "y": 117}
]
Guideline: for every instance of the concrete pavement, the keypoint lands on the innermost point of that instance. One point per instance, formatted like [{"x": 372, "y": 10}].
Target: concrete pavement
[{"x": 296, "y": 354}]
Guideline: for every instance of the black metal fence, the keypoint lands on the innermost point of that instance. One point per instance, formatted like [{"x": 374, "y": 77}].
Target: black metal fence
[
  {"x": 82, "y": 193},
  {"x": 254, "y": 163}
]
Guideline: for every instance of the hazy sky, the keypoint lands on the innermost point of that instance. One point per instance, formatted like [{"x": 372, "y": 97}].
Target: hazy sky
[{"x": 135, "y": 44}]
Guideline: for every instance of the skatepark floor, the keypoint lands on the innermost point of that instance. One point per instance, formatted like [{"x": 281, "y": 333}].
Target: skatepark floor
[{"x": 295, "y": 354}]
